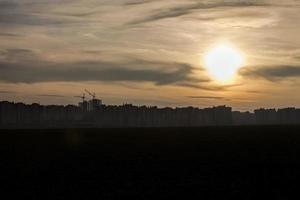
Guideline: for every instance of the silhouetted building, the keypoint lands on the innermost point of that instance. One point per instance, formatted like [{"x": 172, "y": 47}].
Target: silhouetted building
[
  {"x": 287, "y": 116},
  {"x": 266, "y": 116},
  {"x": 222, "y": 115},
  {"x": 8, "y": 113},
  {"x": 83, "y": 106},
  {"x": 243, "y": 118},
  {"x": 94, "y": 104}
]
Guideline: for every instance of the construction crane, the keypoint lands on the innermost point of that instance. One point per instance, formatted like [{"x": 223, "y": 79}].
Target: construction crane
[
  {"x": 93, "y": 95},
  {"x": 82, "y": 97}
]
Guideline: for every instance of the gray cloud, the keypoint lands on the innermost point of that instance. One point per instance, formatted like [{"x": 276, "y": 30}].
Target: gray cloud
[
  {"x": 98, "y": 71},
  {"x": 256, "y": 92},
  {"x": 18, "y": 52},
  {"x": 97, "y": 52},
  {"x": 233, "y": 15},
  {"x": 50, "y": 95},
  {"x": 4, "y": 5},
  {"x": 205, "y": 97},
  {"x": 137, "y": 2},
  {"x": 9, "y": 35},
  {"x": 187, "y": 9},
  {"x": 25, "y": 66},
  {"x": 79, "y": 14},
  {"x": 273, "y": 73},
  {"x": 20, "y": 55},
  {"x": 31, "y": 12},
  {"x": 30, "y": 69},
  {"x": 6, "y": 92},
  {"x": 210, "y": 87},
  {"x": 32, "y": 19}
]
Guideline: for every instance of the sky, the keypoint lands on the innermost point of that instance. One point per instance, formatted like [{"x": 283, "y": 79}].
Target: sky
[{"x": 149, "y": 52}]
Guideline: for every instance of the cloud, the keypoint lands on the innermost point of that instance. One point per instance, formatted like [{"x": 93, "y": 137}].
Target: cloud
[
  {"x": 33, "y": 19},
  {"x": 50, "y": 95},
  {"x": 6, "y": 4},
  {"x": 205, "y": 97},
  {"x": 272, "y": 73},
  {"x": 9, "y": 35},
  {"x": 187, "y": 9},
  {"x": 18, "y": 52},
  {"x": 29, "y": 68},
  {"x": 32, "y": 12},
  {"x": 6, "y": 92},
  {"x": 256, "y": 92},
  {"x": 137, "y": 2},
  {"x": 19, "y": 55},
  {"x": 96, "y": 71}
]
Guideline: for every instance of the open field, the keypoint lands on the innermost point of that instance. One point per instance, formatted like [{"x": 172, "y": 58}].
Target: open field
[{"x": 160, "y": 163}]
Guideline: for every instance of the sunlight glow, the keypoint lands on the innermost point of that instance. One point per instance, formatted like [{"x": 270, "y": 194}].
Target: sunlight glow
[{"x": 223, "y": 62}]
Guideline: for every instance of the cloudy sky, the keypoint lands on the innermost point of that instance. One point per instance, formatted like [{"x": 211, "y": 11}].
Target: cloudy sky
[{"x": 149, "y": 51}]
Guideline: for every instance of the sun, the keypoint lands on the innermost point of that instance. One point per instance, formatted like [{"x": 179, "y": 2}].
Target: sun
[{"x": 223, "y": 61}]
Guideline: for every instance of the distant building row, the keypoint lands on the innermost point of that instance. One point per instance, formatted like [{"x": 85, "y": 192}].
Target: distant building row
[
  {"x": 95, "y": 114},
  {"x": 280, "y": 116}
]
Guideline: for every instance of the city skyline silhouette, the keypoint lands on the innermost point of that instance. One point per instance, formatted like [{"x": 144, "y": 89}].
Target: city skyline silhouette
[{"x": 95, "y": 114}]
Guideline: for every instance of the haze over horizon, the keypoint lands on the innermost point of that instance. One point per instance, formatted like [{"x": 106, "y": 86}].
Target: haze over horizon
[{"x": 149, "y": 52}]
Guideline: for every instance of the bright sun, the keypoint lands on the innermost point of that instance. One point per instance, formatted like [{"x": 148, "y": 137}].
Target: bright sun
[{"x": 223, "y": 62}]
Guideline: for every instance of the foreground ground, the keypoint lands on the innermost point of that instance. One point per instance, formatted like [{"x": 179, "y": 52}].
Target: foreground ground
[{"x": 212, "y": 162}]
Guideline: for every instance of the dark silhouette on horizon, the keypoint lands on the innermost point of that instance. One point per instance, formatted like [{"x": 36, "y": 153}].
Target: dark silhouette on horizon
[{"x": 94, "y": 114}]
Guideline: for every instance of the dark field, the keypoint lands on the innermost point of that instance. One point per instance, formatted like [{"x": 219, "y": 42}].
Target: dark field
[{"x": 162, "y": 163}]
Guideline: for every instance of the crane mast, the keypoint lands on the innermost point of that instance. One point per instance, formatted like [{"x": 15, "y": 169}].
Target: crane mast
[{"x": 93, "y": 95}]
